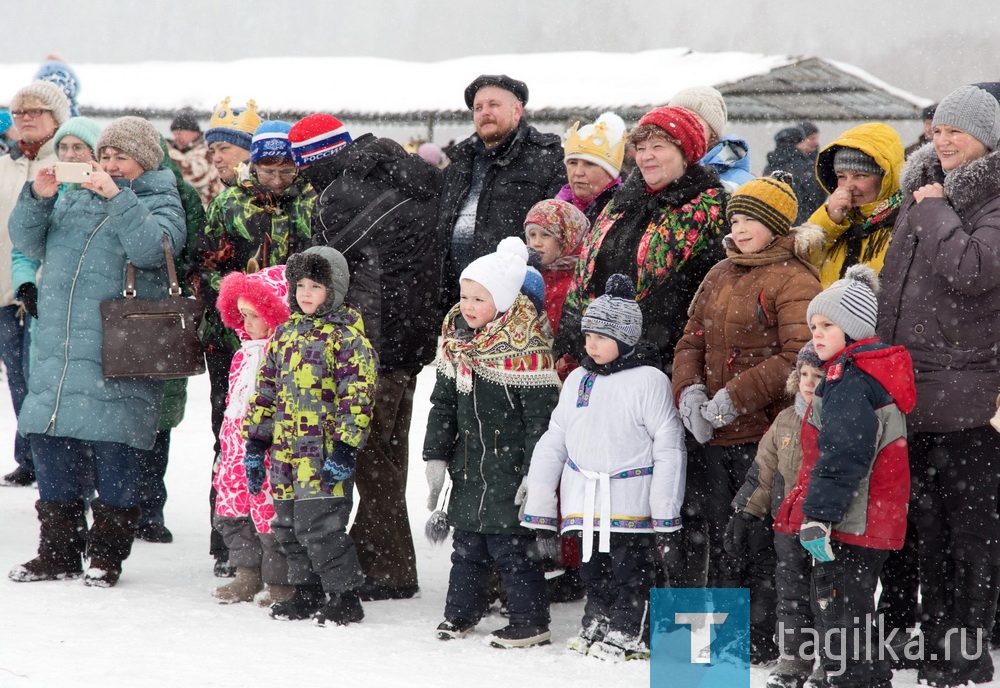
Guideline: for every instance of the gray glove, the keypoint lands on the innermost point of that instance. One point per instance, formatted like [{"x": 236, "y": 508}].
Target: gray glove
[
  {"x": 689, "y": 406},
  {"x": 720, "y": 411},
  {"x": 434, "y": 470},
  {"x": 521, "y": 496}
]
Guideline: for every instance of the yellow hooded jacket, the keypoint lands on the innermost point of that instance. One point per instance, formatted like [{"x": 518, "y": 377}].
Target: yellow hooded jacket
[{"x": 882, "y": 143}]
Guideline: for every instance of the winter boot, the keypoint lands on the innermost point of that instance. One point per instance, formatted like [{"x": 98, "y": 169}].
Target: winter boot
[
  {"x": 154, "y": 532},
  {"x": 62, "y": 538},
  {"x": 109, "y": 544},
  {"x": 593, "y": 632},
  {"x": 245, "y": 585},
  {"x": 274, "y": 593},
  {"x": 19, "y": 477},
  {"x": 342, "y": 609},
  {"x": 520, "y": 635},
  {"x": 789, "y": 673},
  {"x": 449, "y": 629},
  {"x": 618, "y": 646},
  {"x": 566, "y": 587},
  {"x": 304, "y": 603}
]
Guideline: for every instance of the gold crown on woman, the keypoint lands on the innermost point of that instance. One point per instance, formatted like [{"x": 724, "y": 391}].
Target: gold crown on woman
[
  {"x": 602, "y": 142},
  {"x": 246, "y": 119}
]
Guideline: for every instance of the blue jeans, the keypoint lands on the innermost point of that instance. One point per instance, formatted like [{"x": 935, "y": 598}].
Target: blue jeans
[
  {"x": 58, "y": 464},
  {"x": 13, "y": 351},
  {"x": 471, "y": 564}
]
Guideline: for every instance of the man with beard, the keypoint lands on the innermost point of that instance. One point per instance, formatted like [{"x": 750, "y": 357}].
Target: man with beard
[{"x": 495, "y": 176}]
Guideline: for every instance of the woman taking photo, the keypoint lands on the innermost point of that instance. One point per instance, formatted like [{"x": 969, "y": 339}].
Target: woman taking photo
[{"x": 71, "y": 412}]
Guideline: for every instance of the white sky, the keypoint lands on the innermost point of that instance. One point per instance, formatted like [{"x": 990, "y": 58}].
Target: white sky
[{"x": 925, "y": 47}]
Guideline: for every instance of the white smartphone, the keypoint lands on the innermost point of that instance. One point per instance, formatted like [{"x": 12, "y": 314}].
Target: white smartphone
[{"x": 73, "y": 172}]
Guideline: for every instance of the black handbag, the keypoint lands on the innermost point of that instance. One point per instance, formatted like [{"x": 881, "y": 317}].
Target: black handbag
[{"x": 152, "y": 339}]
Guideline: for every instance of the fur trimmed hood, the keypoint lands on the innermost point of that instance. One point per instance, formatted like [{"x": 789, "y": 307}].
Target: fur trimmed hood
[
  {"x": 267, "y": 292},
  {"x": 965, "y": 187},
  {"x": 320, "y": 264}
]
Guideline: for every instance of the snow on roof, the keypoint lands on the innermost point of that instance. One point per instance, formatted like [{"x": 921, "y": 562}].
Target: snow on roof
[{"x": 370, "y": 85}]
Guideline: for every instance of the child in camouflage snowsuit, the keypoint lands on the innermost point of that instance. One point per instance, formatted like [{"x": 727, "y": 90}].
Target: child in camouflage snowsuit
[{"x": 313, "y": 407}]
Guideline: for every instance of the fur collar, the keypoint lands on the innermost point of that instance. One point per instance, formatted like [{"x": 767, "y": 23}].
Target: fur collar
[{"x": 966, "y": 187}]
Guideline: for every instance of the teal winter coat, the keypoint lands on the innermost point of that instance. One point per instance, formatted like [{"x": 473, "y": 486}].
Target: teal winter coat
[{"x": 86, "y": 242}]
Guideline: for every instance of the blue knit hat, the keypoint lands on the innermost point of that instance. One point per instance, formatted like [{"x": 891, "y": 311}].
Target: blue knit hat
[
  {"x": 270, "y": 140},
  {"x": 5, "y": 121},
  {"x": 62, "y": 75},
  {"x": 83, "y": 128}
]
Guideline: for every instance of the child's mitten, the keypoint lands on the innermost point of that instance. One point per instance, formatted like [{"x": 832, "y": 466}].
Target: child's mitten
[
  {"x": 815, "y": 537},
  {"x": 339, "y": 466}
]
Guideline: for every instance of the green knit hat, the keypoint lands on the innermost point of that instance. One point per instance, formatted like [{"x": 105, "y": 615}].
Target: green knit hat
[{"x": 84, "y": 128}]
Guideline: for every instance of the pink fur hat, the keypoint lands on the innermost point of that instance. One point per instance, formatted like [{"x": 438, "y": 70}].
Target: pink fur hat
[{"x": 266, "y": 290}]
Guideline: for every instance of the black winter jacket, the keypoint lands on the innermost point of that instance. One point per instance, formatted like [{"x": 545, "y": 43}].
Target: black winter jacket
[
  {"x": 522, "y": 171},
  {"x": 393, "y": 252}
]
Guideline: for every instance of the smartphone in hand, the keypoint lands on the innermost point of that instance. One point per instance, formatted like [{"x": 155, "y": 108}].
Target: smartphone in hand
[{"x": 73, "y": 172}]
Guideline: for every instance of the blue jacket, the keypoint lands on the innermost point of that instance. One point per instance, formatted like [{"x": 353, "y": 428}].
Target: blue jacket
[
  {"x": 731, "y": 159},
  {"x": 86, "y": 242}
]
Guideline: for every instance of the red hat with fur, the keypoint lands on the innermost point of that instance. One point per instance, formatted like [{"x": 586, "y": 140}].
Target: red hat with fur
[{"x": 267, "y": 292}]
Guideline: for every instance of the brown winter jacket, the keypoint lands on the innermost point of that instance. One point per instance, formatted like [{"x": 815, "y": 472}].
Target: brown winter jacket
[
  {"x": 746, "y": 325},
  {"x": 941, "y": 291}
]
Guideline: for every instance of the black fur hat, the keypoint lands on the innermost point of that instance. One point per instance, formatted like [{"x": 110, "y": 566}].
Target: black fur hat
[{"x": 320, "y": 264}]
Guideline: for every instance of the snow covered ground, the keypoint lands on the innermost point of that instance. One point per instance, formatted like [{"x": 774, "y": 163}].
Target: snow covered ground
[{"x": 160, "y": 626}]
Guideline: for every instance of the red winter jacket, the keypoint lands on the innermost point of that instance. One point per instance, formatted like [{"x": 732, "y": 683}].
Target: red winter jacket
[{"x": 855, "y": 462}]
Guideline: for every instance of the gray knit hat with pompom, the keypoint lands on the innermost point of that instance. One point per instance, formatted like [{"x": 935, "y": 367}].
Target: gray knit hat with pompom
[
  {"x": 850, "y": 303},
  {"x": 616, "y": 314}
]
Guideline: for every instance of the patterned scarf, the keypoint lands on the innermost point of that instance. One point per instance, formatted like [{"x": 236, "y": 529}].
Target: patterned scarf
[{"x": 511, "y": 350}]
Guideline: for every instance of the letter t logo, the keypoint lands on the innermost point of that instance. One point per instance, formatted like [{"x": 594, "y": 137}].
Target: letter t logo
[{"x": 701, "y": 633}]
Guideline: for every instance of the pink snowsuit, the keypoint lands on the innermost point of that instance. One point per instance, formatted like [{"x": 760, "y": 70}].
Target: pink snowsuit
[{"x": 267, "y": 291}]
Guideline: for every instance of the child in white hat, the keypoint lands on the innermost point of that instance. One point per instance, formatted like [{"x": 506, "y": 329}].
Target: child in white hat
[{"x": 496, "y": 386}]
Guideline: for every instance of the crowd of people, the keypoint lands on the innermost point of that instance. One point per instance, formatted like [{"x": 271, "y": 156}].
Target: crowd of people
[{"x": 678, "y": 376}]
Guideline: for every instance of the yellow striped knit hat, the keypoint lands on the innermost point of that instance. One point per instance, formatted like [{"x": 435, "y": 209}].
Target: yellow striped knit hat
[{"x": 769, "y": 200}]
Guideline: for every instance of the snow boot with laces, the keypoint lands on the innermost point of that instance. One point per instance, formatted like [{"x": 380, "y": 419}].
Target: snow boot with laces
[
  {"x": 306, "y": 601},
  {"x": 109, "y": 544},
  {"x": 594, "y": 632},
  {"x": 62, "y": 538},
  {"x": 245, "y": 585},
  {"x": 618, "y": 646},
  {"x": 342, "y": 608}
]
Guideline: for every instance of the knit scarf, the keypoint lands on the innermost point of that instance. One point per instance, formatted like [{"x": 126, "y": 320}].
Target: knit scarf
[{"x": 510, "y": 350}]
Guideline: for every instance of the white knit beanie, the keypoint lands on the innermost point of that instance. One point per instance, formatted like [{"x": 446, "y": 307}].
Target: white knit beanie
[
  {"x": 707, "y": 103},
  {"x": 501, "y": 273}
]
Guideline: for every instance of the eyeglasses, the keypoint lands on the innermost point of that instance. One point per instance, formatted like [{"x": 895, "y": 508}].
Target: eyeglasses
[
  {"x": 271, "y": 174},
  {"x": 33, "y": 113}
]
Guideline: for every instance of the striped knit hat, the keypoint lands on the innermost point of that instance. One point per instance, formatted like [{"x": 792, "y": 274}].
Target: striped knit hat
[
  {"x": 616, "y": 314},
  {"x": 316, "y": 137},
  {"x": 769, "y": 200},
  {"x": 850, "y": 303}
]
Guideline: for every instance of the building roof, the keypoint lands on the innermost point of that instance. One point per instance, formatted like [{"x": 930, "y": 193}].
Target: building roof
[{"x": 561, "y": 85}]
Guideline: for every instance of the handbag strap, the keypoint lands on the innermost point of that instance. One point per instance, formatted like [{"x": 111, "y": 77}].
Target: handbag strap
[
  {"x": 175, "y": 286},
  {"x": 346, "y": 238}
]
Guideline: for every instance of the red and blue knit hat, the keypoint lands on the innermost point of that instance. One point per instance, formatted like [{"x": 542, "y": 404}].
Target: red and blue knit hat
[{"x": 316, "y": 137}]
